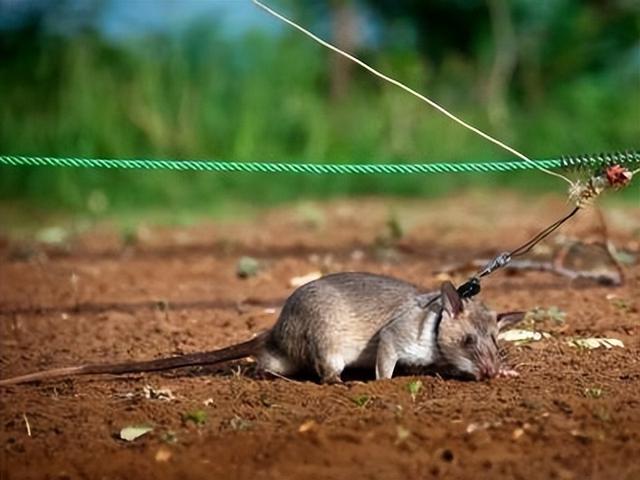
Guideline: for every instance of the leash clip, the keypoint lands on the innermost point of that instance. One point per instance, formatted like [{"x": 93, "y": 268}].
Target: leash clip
[
  {"x": 472, "y": 287},
  {"x": 498, "y": 262},
  {"x": 469, "y": 289}
]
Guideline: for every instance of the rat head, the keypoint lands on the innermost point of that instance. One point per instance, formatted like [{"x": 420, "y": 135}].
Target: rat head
[{"x": 468, "y": 334}]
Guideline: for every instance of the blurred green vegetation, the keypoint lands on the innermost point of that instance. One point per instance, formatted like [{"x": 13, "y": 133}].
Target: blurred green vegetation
[{"x": 572, "y": 86}]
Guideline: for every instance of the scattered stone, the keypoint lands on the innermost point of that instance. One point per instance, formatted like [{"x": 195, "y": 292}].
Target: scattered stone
[
  {"x": 163, "y": 455},
  {"x": 402, "y": 434},
  {"x": 296, "y": 282},
  {"x": 307, "y": 425}
]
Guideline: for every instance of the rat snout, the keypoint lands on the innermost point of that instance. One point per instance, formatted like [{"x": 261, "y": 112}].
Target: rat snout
[
  {"x": 487, "y": 371},
  {"x": 487, "y": 361},
  {"x": 488, "y": 364}
]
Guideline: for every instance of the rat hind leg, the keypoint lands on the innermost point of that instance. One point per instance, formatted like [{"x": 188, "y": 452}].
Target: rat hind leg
[
  {"x": 277, "y": 363},
  {"x": 329, "y": 367}
]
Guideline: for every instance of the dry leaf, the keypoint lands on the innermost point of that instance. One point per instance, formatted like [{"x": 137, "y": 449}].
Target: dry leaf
[
  {"x": 591, "y": 343},
  {"x": 157, "y": 393},
  {"x": 520, "y": 336},
  {"x": 130, "y": 433}
]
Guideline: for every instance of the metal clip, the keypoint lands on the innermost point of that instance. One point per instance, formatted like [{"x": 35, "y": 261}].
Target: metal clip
[{"x": 498, "y": 262}]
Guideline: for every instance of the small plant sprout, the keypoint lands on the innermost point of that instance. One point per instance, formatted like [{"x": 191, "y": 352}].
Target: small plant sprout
[
  {"x": 361, "y": 400},
  {"x": 169, "y": 437},
  {"x": 396, "y": 232},
  {"x": 247, "y": 267},
  {"x": 414, "y": 388},
  {"x": 198, "y": 417},
  {"x": 593, "y": 392},
  {"x": 552, "y": 314}
]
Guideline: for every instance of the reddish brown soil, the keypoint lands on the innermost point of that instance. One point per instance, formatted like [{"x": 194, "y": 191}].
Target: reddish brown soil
[{"x": 570, "y": 414}]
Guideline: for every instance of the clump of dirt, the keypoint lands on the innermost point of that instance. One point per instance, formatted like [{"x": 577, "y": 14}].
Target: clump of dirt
[{"x": 572, "y": 413}]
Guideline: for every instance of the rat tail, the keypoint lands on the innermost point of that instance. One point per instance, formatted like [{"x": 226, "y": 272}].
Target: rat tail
[{"x": 233, "y": 352}]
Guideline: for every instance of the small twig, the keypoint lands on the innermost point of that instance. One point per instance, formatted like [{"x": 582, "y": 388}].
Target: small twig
[
  {"x": 26, "y": 423},
  {"x": 277, "y": 375},
  {"x": 609, "y": 246}
]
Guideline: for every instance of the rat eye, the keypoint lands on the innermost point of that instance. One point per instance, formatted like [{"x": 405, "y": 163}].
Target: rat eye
[{"x": 469, "y": 340}]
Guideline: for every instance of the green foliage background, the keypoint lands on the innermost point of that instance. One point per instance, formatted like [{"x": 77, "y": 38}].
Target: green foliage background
[{"x": 266, "y": 96}]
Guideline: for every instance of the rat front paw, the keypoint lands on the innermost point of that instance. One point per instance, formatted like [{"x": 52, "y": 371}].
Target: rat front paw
[{"x": 507, "y": 372}]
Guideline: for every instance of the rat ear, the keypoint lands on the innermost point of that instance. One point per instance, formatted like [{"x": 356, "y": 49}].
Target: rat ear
[
  {"x": 451, "y": 300},
  {"x": 509, "y": 319}
]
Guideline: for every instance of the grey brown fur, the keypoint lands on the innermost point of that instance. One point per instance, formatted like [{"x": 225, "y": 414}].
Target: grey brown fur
[
  {"x": 353, "y": 320},
  {"x": 365, "y": 320}
]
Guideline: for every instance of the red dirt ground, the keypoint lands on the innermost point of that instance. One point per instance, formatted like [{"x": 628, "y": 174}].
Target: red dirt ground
[{"x": 572, "y": 413}]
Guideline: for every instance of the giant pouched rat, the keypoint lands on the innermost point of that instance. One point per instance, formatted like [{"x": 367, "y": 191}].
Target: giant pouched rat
[{"x": 353, "y": 319}]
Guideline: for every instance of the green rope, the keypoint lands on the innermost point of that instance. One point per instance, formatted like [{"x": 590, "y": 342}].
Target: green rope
[{"x": 323, "y": 168}]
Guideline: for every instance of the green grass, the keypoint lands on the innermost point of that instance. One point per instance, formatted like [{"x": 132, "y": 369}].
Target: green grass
[{"x": 262, "y": 99}]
